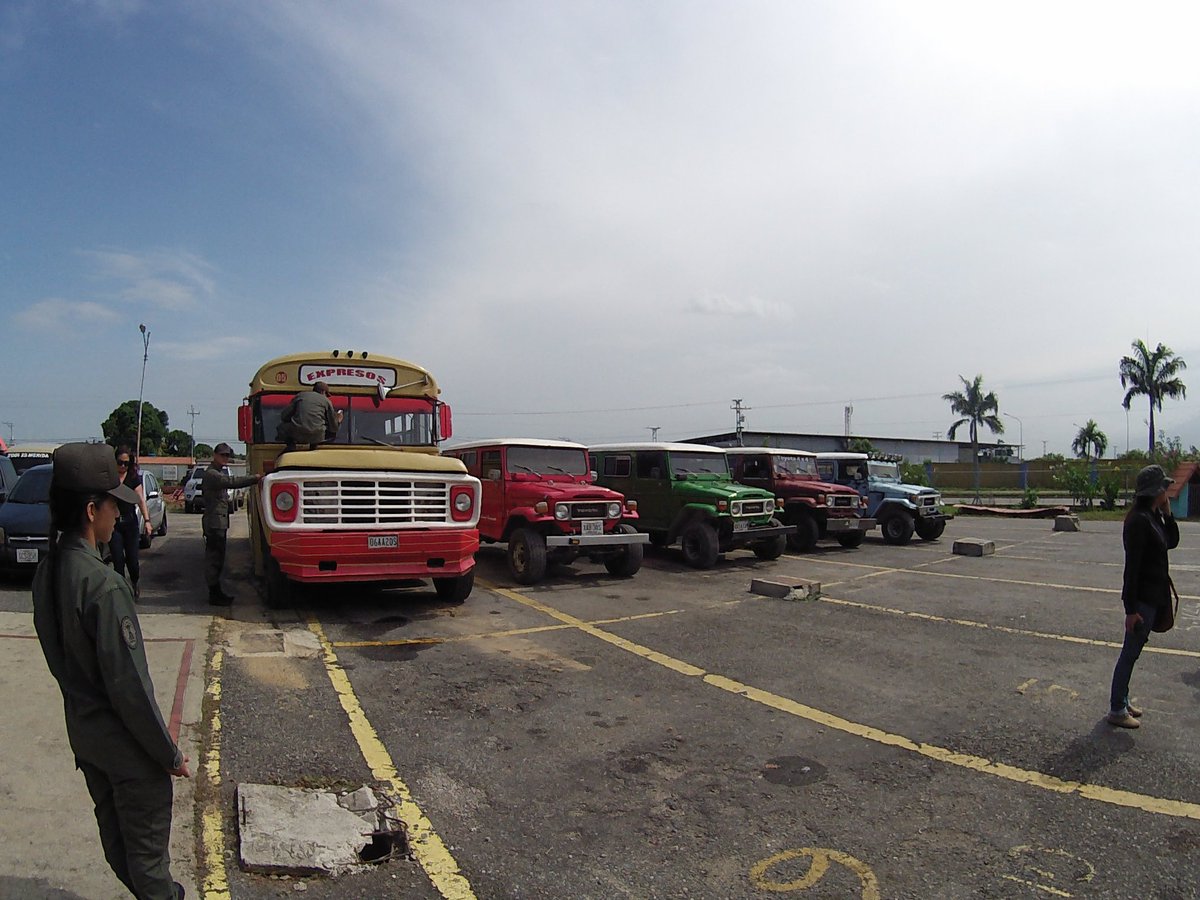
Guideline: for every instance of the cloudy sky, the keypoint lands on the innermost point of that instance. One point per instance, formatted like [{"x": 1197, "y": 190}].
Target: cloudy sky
[{"x": 590, "y": 218}]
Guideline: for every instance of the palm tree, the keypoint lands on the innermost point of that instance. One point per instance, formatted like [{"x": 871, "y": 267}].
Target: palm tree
[
  {"x": 1153, "y": 374},
  {"x": 975, "y": 408},
  {"x": 1090, "y": 436}
]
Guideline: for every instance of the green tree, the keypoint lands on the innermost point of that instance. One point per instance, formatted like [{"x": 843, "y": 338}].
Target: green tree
[
  {"x": 120, "y": 428},
  {"x": 859, "y": 445},
  {"x": 975, "y": 408},
  {"x": 204, "y": 451},
  {"x": 177, "y": 443},
  {"x": 1090, "y": 436},
  {"x": 1154, "y": 375}
]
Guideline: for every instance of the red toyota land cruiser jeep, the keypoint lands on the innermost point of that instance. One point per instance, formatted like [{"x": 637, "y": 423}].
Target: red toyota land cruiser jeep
[
  {"x": 817, "y": 508},
  {"x": 538, "y": 496}
]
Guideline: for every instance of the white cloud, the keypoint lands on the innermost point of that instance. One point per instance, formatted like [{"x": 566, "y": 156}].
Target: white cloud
[
  {"x": 163, "y": 279},
  {"x": 65, "y": 315},
  {"x": 212, "y": 347},
  {"x": 719, "y": 305}
]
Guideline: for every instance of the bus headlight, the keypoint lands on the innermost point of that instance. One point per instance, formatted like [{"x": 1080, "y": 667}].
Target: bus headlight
[{"x": 285, "y": 500}]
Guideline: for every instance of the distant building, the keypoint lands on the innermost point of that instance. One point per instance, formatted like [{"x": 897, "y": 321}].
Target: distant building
[{"x": 914, "y": 450}]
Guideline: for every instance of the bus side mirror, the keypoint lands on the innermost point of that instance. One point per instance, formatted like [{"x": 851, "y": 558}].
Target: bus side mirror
[
  {"x": 244, "y": 423},
  {"x": 445, "y": 425}
]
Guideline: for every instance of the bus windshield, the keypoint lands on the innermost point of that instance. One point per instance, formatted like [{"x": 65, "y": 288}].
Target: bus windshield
[{"x": 394, "y": 421}]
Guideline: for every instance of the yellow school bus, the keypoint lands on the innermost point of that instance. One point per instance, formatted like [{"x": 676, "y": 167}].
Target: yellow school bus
[{"x": 375, "y": 503}]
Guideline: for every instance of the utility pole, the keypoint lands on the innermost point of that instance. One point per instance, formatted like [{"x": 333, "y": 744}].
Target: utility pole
[
  {"x": 738, "y": 418},
  {"x": 849, "y": 413},
  {"x": 10, "y": 427},
  {"x": 653, "y": 429},
  {"x": 193, "y": 412},
  {"x": 137, "y": 450}
]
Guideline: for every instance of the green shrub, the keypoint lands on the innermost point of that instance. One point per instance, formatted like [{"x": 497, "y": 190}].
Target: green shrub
[
  {"x": 913, "y": 473},
  {"x": 1029, "y": 499}
]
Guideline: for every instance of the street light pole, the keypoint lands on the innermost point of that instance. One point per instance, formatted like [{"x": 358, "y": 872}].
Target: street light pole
[
  {"x": 137, "y": 450},
  {"x": 1021, "y": 426},
  {"x": 10, "y": 430}
]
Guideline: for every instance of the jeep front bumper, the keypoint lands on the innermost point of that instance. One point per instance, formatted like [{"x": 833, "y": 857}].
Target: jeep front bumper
[
  {"x": 731, "y": 538},
  {"x": 845, "y": 525},
  {"x": 596, "y": 541}
]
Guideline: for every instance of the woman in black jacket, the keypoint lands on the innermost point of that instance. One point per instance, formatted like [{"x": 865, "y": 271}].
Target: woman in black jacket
[{"x": 1150, "y": 531}]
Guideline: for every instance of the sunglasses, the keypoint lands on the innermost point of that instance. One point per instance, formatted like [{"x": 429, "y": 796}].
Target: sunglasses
[{"x": 122, "y": 462}]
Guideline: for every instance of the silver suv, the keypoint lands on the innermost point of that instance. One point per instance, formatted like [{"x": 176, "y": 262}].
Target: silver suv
[{"x": 193, "y": 498}]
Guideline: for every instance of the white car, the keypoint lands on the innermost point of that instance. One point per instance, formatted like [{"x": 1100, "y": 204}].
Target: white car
[
  {"x": 193, "y": 498},
  {"x": 157, "y": 506}
]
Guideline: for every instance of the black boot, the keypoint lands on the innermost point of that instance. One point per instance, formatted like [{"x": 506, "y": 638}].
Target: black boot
[{"x": 217, "y": 597}]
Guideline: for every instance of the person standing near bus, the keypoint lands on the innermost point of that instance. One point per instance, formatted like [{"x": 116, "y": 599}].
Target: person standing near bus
[
  {"x": 214, "y": 487},
  {"x": 126, "y": 537},
  {"x": 88, "y": 628},
  {"x": 310, "y": 418}
]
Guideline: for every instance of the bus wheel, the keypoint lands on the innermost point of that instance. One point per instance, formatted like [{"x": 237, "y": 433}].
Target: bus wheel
[
  {"x": 456, "y": 589},
  {"x": 279, "y": 588}
]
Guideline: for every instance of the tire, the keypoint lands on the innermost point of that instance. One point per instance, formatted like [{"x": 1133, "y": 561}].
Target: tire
[
  {"x": 700, "y": 545},
  {"x": 279, "y": 588},
  {"x": 455, "y": 589},
  {"x": 897, "y": 528},
  {"x": 626, "y": 561},
  {"x": 851, "y": 539},
  {"x": 162, "y": 528},
  {"x": 807, "y": 532},
  {"x": 527, "y": 556},
  {"x": 771, "y": 548},
  {"x": 930, "y": 531}
]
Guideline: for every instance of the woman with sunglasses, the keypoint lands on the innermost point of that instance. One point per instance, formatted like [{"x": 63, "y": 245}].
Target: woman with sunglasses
[{"x": 126, "y": 537}]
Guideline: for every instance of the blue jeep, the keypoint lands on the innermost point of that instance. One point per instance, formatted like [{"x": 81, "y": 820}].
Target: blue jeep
[{"x": 900, "y": 509}]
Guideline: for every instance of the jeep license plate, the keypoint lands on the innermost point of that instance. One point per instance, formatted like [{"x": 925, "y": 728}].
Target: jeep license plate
[
  {"x": 741, "y": 525},
  {"x": 592, "y": 526},
  {"x": 27, "y": 555},
  {"x": 382, "y": 541}
]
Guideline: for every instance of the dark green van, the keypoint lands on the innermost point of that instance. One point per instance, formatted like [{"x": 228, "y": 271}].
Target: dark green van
[{"x": 684, "y": 493}]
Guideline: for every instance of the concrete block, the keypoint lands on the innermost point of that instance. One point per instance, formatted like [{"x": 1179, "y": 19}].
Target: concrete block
[
  {"x": 1066, "y": 523},
  {"x": 786, "y": 590},
  {"x": 294, "y": 831},
  {"x": 973, "y": 547}
]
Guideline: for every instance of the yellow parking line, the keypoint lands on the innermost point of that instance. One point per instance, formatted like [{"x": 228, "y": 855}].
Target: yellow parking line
[
  {"x": 509, "y": 632},
  {"x": 1157, "y": 805},
  {"x": 215, "y": 881},
  {"x": 427, "y": 848}
]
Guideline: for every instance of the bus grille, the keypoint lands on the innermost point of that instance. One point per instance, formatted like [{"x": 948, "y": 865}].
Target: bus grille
[{"x": 365, "y": 502}]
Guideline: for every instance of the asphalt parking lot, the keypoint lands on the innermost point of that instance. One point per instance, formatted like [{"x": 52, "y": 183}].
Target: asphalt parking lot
[{"x": 932, "y": 726}]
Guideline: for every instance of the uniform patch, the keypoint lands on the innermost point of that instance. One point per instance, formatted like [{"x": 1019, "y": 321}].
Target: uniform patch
[{"x": 129, "y": 632}]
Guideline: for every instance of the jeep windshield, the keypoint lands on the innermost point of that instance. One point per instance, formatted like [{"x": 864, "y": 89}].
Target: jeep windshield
[
  {"x": 794, "y": 466},
  {"x": 884, "y": 471},
  {"x": 547, "y": 461},
  {"x": 684, "y": 463}
]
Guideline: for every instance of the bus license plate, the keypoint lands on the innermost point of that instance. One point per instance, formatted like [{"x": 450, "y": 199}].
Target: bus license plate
[
  {"x": 382, "y": 541},
  {"x": 27, "y": 555},
  {"x": 741, "y": 525},
  {"x": 592, "y": 526}
]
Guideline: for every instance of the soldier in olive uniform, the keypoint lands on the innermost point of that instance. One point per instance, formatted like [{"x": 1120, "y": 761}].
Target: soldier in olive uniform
[
  {"x": 214, "y": 487},
  {"x": 89, "y": 631}
]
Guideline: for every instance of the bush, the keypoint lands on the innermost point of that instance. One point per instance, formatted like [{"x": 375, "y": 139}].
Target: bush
[
  {"x": 1029, "y": 499},
  {"x": 1110, "y": 490},
  {"x": 914, "y": 473},
  {"x": 1076, "y": 480}
]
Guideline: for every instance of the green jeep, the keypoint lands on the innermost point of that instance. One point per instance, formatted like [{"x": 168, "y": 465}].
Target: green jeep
[{"x": 684, "y": 493}]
